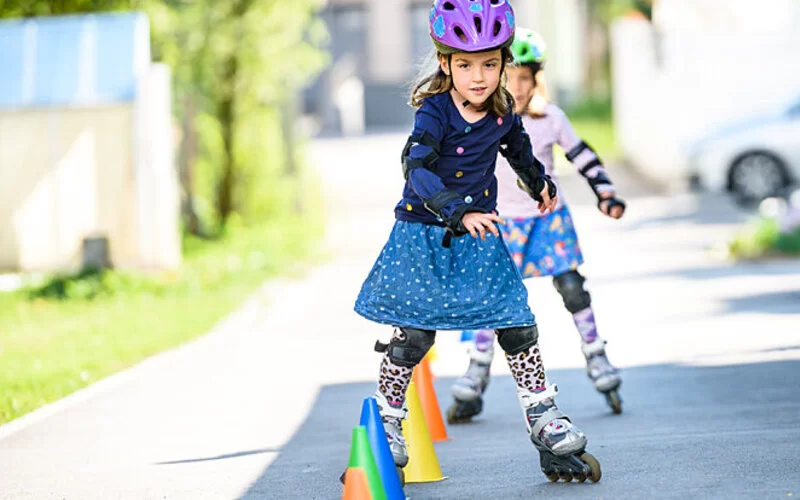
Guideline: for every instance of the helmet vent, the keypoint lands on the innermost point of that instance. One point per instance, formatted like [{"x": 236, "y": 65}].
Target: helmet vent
[
  {"x": 498, "y": 2},
  {"x": 449, "y": 6},
  {"x": 478, "y": 25},
  {"x": 460, "y": 33},
  {"x": 497, "y": 27}
]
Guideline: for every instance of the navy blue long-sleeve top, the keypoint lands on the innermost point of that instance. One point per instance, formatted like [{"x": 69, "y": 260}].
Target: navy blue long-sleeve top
[{"x": 466, "y": 159}]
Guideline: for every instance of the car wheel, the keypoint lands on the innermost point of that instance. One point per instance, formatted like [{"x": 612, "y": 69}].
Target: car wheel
[{"x": 756, "y": 176}]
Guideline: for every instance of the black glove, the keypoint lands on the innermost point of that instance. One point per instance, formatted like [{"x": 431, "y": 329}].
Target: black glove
[
  {"x": 539, "y": 184},
  {"x": 612, "y": 202}
]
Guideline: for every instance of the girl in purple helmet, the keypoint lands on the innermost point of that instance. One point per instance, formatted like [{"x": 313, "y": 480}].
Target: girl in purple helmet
[
  {"x": 544, "y": 245},
  {"x": 445, "y": 266}
]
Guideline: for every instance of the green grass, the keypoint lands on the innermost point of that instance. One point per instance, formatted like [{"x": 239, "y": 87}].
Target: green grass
[
  {"x": 60, "y": 337},
  {"x": 762, "y": 238},
  {"x": 598, "y": 133},
  {"x": 592, "y": 119}
]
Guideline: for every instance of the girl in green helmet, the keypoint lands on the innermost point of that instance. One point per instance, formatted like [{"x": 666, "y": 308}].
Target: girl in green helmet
[{"x": 544, "y": 244}]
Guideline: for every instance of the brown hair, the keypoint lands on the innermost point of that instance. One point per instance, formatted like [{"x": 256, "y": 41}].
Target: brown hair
[
  {"x": 439, "y": 82},
  {"x": 536, "y": 109}
]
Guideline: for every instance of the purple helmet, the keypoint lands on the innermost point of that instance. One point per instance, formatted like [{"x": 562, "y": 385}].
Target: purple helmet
[{"x": 471, "y": 25}]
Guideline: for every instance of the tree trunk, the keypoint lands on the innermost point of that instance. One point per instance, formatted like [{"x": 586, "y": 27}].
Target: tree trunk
[
  {"x": 188, "y": 158},
  {"x": 226, "y": 113},
  {"x": 287, "y": 115},
  {"x": 596, "y": 48}
]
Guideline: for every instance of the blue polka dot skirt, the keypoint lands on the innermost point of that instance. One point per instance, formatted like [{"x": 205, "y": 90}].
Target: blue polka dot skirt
[{"x": 418, "y": 283}]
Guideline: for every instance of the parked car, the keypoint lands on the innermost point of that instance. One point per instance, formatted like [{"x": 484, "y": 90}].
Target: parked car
[{"x": 752, "y": 160}]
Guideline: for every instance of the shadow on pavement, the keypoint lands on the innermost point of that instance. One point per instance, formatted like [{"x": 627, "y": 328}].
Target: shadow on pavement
[
  {"x": 686, "y": 431},
  {"x": 715, "y": 271},
  {"x": 784, "y": 302},
  {"x": 220, "y": 457}
]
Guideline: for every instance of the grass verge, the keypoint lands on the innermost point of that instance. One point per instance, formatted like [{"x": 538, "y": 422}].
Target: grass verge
[
  {"x": 763, "y": 238},
  {"x": 74, "y": 330}
]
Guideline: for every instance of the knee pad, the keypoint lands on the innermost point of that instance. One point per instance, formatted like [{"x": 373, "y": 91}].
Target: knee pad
[
  {"x": 515, "y": 340},
  {"x": 570, "y": 286},
  {"x": 411, "y": 349}
]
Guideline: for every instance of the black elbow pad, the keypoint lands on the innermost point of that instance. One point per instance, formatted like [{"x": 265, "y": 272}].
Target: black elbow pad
[{"x": 428, "y": 161}]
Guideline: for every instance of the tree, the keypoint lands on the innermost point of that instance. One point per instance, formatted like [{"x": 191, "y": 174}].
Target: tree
[
  {"x": 238, "y": 63},
  {"x": 28, "y": 8}
]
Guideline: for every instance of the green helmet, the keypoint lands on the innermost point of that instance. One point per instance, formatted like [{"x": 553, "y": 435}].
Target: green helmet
[{"x": 528, "y": 47}]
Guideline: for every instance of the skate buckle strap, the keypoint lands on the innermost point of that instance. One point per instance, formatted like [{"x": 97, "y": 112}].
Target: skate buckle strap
[
  {"x": 527, "y": 398},
  {"x": 594, "y": 349},
  {"x": 392, "y": 412},
  {"x": 387, "y": 410},
  {"x": 482, "y": 357},
  {"x": 545, "y": 418}
]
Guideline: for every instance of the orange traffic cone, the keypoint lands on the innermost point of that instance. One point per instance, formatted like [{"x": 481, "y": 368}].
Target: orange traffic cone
[
  {"x": 423, "y": 466},
  {"x": 356, "y": 486},
  {"x": 423, "y": 379}
]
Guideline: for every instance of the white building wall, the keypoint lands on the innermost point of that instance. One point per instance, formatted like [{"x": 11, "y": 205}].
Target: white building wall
[{"x": 702, "y": 64}]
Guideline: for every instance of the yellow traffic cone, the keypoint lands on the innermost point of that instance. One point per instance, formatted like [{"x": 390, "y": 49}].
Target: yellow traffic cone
[
  {"x": 433, "y": 354},
  {"x": 423, "y": 466}
]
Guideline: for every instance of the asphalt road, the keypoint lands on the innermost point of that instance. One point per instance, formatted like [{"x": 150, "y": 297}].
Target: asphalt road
[{"x": 263, "y": 406}]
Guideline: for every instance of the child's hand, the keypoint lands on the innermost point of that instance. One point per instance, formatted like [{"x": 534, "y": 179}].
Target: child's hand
[
  {"x": 547, "y": 203},
  {"x": 616, "y": 212},
  {"x": 476, "y": 222}
]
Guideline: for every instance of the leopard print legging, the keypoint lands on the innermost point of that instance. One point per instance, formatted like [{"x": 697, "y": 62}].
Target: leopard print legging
[
  {"x": 527, "y": 368},
  {"x": 393, "y": 379}
]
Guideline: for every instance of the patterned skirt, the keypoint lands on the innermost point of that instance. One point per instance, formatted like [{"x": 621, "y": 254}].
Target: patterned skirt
[
  {"x": 543, "y": 246},
  {"x": 418, "y": 283}
]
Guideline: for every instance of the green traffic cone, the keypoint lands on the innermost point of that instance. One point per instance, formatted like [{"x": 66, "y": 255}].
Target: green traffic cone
[{"x": 361, "y": 457}]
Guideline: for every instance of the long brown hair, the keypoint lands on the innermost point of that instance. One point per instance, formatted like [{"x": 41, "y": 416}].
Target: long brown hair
[
  {"x": 439, "y": 82},
  {"x": 536, "y": 109}
]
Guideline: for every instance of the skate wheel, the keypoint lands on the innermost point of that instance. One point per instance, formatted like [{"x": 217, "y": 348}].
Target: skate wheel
[
  {"x": 594, "y": 465},
  {"x": 453, "y": 418},
  {"x": 565, "y": 476},
  {"x": 615, "y": 402},
  {"x": 552, "y": 476},
  {"x": 402, "y": 474},
  {"x": 579, "y": 477}
]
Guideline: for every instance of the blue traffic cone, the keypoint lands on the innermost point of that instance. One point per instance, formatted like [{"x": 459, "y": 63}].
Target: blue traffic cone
[
  {"x": 371, "y": 419},
  {"x": 467, "y": 335}
]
